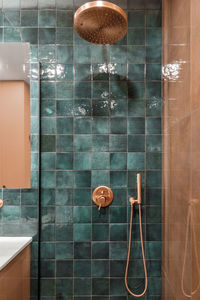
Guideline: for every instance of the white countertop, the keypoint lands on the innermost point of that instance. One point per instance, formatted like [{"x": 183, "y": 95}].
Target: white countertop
[{"x": 10, "y": 247}]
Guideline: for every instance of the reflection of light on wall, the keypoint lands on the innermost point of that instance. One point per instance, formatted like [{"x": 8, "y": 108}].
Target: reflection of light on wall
[
  {"x": 107, "y": 68},
  {"x": 172, "y": 71}
]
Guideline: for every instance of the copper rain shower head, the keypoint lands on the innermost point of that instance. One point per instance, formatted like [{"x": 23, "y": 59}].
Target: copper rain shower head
[{"x": 100, "y": 22}]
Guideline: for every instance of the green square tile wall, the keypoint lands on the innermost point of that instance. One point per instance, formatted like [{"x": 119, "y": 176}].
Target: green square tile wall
[{"x": 100, "y": 126}]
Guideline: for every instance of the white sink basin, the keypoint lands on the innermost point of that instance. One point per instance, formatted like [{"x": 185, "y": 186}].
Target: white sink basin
[{"x": 10, "y": 247}]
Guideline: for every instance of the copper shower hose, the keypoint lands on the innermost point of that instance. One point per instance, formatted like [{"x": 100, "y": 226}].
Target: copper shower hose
[{"x": 132, "y": 202}]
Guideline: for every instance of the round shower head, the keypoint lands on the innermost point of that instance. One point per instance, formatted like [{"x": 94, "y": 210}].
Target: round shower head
[{"x": 100, "y": 22}]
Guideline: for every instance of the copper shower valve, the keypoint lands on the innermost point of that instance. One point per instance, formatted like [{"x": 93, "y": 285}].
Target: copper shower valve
[{"x": 102, "y": 196}]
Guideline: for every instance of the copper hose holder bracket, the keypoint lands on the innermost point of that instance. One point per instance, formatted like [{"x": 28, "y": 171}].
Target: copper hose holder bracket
[{"x": 102, "y": 196}]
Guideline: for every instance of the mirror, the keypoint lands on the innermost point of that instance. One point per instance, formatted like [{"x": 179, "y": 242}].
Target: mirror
[{"x": 15, "y": 149}]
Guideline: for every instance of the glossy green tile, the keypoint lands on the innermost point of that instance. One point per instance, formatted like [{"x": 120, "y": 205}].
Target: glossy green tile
[
  {"x": 66, "y": 5},
  {"x": 117, "y": 268},
  {"x": 44, "y": 4},
  {"x": 118, "y": 161},
  {"x": 48, "y": 214},
  {"x": 82, "y": 143},
  {"x": 82, "y": 72},
  {"x": 136, "y": 108},
  {"x": 13, "y": 196},
  {"x": 118, "y": 71},
  {"x": 13, "y": 15},
  {"x": 47, "y": 89},
  {"x": 82, "y": 179},
  {"x": 118, "y": 143},
  {"x": 153, "y": 4},
  {"x": 82, "y": 286},
  {"x": 136, "y": 54},
  {"x": 82, "y": 125},
  {"x": 64, "y": 54},
  {"x": 118, "y": 232},
  {"x": 118, "y": 125},
  {"x": 46, "y": 53},
  {"x": 118, "y": 108},
  {"x": 153, "y": 232},
  {"x": 100, "y": 90},
  {"x": 64, "y": 287},
  {"x": 82, "y": 107},
  {"x": 100, "y": 143},
  {"x": 101, "y": 216},
  {"x": 118, "y": 214},
  {"x": 64, "y": 196},
  {"x": 64, "y": 250},
  {"x": 153, "y": 161},
  {"x": 82, "y": 250},
  {"x": 64, "y": 268},
  {"x": 100, "y": 250},
  {"x": 100, "y": 72},
  {"x": 118, "y": 179},
  {"x": 47, "y": 232},
  {"x": 47, "y": 161},
  {"x": 46, "y": 36},
  {"x": 64, "y": 125},
  {"x": 48, "y": 125},
  {"x": 30, "y": 35},
  {"x": 136, "y": 36},
  {"x": 136, "y": 143},
  {"x": 153, "y": 214},
  {"x": 153, "y": 36},
  {"x": 100, "y": 160},
  {"x": 29, "y": 18},
  {"x": 117, "y": 286},
  {"x": 100, "y": 125},
  {"x": 64, "y": 143},
  {"x": 64, "y": 108},
  {"x": 47, "y": 18},
  {"x": 82, "y": 54},
  {"x": 137, "y": 4},
  {"x": 48, "y": 108},
  {"x": 82, "y": 196},
  {"x": 47, "y": 250},
  {"x": 153, "y": 196},
  {"x": 64, "y": 18},
  {"x": 153, "y": 250},
  {"x": 82, "y": 214},
  {"x": 82, "y": 232},
  {"x": 100, "y": 268},
  {"x": 118, "y": 250},
  {"x": 100, "y": 232},
  {"x": 136, "y": 72},
  {"x": 153, "y": 143},
  {"x": 28, "y": 196},
  {"x": 100, "y": 286},
  {"x": 82, "y": 89},
  {"x": 10, "y": 35},
  {"x": 153, "y": 126},
  {"x": 64, "y": 232},
  {"x": 100, "y": 108},
  {"x": 136, "y": 161},
  {"x": 64, "y": 214},
  {"x": 100, "y": 177},
  {"x": 153, "y": 108},
  {"x": 64, "y": 179},
  {"x": 153, "y": 90},
  {"x": 118, "y": 54},
  {"x": 82, "y": 161},
  {"x": 153, "y": 72},
  {"x": 47, "y": 268},
  {"x": 136, "y": 125},
  {"x": 118, "y": 89},
  {"x": 47, "y": 179},
  {"x": 153, "y": 19},
  {"x": 82, "y": 268},
  {"x": 64, "y": 72},
  {"x": 153, "y": 54},
  {"x": 154, "y": 179},
  {"x": 136, "y": 19},
  {"x": 64, "y": 36},
  {"x": 11, "y": 214},
  {"x": 135, "y": 90},
  {"x": 100, "y": 54}
]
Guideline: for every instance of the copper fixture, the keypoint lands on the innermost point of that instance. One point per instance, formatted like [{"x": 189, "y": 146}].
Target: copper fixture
[
  {"x": 139, "y": 202},
  {"x": 102, "y": 196},
  {"x": 101, "y": 22}
]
